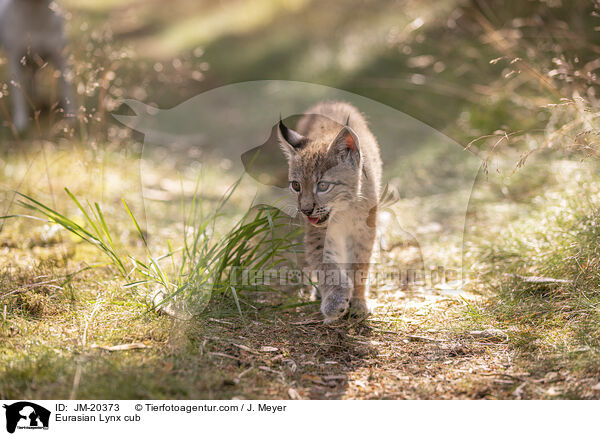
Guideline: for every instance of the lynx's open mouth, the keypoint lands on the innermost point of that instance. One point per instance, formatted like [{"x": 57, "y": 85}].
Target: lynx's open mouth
[{"x": 315, "y": 220}]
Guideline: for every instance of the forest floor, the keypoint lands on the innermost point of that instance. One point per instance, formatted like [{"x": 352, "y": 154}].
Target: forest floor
[{"x": 86, "y": 335}]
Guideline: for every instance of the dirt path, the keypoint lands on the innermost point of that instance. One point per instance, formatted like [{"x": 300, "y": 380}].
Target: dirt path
[
  {"x": 407, "y": 350},
  {"x": 417, "y": 345}
]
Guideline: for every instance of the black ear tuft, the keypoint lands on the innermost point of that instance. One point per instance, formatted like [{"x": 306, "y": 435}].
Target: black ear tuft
[{"x": 293, "y": 138}]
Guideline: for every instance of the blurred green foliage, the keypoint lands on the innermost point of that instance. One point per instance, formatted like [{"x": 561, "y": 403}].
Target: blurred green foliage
[{"x": 430, "y": 59}]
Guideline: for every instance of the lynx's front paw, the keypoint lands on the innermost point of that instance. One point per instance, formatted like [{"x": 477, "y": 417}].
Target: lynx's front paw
[
  {"x": 359, "y": 308},
  {"x": 335, "y": 305}
]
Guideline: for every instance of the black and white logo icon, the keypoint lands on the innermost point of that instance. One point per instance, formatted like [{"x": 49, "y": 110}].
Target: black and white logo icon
[{"x": 26, "y": 415}]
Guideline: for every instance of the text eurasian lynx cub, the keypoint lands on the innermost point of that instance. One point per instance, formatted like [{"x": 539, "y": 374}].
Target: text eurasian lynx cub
[{"x": 335, "y": 173}]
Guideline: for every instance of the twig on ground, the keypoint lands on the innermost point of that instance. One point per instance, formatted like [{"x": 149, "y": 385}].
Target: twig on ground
[
  {"x": 503, "y": 374},
  {"x": 308, "y": 321},
  {"x": 122, "y": 347},
  {"x": 538, "y": 279},
  {"x": 243, "y": 373},
  {"x": 97, "y": 305},
  {"x": 423, "y": 338},
  {"x": 214, "y": 353},
  {"x": 220, "y": 321}
]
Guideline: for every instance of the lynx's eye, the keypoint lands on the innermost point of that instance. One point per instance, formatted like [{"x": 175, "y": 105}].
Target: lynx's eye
[
  {"x": 324, "y": 187},
  {"x": 295, "y": 186}
]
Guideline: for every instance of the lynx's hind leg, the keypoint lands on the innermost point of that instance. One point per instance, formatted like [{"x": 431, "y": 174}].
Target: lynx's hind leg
[{"x": 362, "y": 252}]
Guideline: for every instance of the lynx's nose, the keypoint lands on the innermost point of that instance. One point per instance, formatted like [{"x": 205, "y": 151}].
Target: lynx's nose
[{"x": 308, "y": 212}]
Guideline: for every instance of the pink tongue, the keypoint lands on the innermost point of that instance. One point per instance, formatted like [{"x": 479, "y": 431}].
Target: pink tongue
[{"x": 313, "y": 220}]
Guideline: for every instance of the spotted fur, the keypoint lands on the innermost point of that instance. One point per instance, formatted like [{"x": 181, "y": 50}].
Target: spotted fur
[{"x": 334, "y": 169}]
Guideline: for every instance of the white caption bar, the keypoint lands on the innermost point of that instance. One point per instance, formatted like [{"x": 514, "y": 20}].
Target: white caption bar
[{"x": 23, "y": 417}]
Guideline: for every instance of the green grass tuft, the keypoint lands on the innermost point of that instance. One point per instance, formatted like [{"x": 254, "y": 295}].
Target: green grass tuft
[{"x": 206, "y": 265}]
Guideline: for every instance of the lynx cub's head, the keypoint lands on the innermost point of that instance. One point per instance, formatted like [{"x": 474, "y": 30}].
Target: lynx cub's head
[{"x": 324, "y": 171}]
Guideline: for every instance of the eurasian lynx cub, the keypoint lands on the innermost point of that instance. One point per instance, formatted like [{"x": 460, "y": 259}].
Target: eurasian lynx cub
[{"x": 335, "y": 172}]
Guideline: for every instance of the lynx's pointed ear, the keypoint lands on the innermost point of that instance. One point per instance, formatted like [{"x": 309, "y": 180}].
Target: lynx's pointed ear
[
  {"x": 289, "y": 140},
  {"x": 345, "y": 145}
]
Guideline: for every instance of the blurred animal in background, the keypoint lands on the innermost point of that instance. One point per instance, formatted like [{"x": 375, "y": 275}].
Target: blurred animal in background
[{"x": 32, "y": 34}]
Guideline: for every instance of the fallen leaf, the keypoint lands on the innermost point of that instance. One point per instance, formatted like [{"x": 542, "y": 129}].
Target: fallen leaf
[{"x": 267, "y": 349}]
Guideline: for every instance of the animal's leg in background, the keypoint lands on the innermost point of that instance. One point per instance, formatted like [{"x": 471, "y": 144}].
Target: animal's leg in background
[
  {"x": 18, "y": 84},
  {"x": 28, "y": 87},
  {"x": 65, "y": 87}
]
